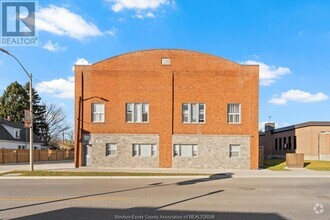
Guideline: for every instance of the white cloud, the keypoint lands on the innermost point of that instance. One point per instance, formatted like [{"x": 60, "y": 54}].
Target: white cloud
[
  {"x": 60, "y": 21},
  {"x": 81, "y": 61},
  {"x": 150, "y": 15},
  {"x": 61, "y": 88},
  {"x": 142, "y": 8},
  {"x": 112, "y": 33},
  {"x": 268, "y": 74},
  {"x": 141, "y": 15},
  {"x": 297, "y": 96},
  {"x": 54, "y": 47},
  {"x": 119, "y": 5}
]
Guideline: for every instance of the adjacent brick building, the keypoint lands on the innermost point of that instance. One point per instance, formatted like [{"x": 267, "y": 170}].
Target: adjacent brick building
[
  {"x": 310, "y": 138},
  {"x": 167, "y": 108}
]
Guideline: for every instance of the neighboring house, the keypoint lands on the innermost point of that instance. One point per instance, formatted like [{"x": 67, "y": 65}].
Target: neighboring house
[
  {"x": 13, "y": 135},
  {"x": 167, "y": 108},
  {"x": 310, "y": 138}
]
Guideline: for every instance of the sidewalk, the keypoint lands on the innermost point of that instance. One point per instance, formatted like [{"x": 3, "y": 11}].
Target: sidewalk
[
  {"x": 221, "y": 173},
  {"x": 63, "y": 165}
]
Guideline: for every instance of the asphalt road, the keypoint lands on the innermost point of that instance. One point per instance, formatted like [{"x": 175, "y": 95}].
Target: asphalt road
[{"x": 152, "y": 199}]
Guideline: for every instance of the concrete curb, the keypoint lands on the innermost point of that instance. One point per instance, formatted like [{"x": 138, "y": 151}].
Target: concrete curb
[
  {"x": 98, "y": 177},
  {"x": 150, "y": 177}
]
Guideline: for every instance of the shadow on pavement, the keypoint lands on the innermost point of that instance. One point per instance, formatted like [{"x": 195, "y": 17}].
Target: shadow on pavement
[
  {"x": 152, "y": 185},
  {"x": 144, "y": 213},
  {"x": 211, "y": 178}
]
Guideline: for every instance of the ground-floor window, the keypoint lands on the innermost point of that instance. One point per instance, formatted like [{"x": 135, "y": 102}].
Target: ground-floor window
[
  {"x": 144, "y": 150},
  {"x": 234, "y": 150},
  {"x": 20, "y": 147},
  {"x": 111, "y": 150},
  {"x": 185, "y": 150}
]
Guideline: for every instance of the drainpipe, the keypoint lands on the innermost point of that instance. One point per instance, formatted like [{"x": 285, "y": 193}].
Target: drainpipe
[{"x": 318, "y": 146}]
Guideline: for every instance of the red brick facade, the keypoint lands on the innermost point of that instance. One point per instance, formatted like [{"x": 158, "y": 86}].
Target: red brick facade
[{"x": 192, "y": 77}]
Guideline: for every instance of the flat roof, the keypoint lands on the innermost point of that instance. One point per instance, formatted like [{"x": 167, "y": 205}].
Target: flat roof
[{"x": 301, "y": 125}]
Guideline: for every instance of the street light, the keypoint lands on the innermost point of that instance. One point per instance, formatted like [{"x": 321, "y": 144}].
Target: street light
[{"x": 31, "y": 110}]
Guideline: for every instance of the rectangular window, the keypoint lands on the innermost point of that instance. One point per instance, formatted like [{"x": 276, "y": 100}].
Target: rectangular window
[
  {"x": 284, "y": 143},
  {"x": 295, "y": 142},
  {"x": 97, "y": 112},
  {"x": 21, "y": 147},
  {"x": 144, "y": 150},
  {"x": 17, "y": 135},
  {"x": 111, "y": 150},
  {"x": 234, "y": 113},
  {"x": 276, "y": 144},
  {"x": 193, "y": 113},
  {"x": 280, "y": 144},
  {"x": 235, "y": 150},
  {"x": 289, "y": 143},
  {"x": 137, "y": 112},
  {"x": 185, "y": 150}
]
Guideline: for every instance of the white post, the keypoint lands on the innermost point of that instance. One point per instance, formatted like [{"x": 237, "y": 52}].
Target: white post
[{"x": 31, "y": 128}]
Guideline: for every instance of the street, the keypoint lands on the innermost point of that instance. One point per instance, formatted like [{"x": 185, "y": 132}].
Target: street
[{"x": 165, "y": 198}]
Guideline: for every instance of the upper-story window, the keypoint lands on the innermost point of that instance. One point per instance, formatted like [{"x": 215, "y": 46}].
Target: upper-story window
[
  {"x": 97, "y": 112},
  {"x": 234, "y": 113},
  {"x": 17, "y": 134},
  {"x": 193, "y": 113},
  {"x": 137, "y": 112}
]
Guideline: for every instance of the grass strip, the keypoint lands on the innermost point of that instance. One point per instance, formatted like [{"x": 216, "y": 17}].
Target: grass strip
[
  {"x": 318, "y": 165},
  {"x": 275, "y": 165},
  {"x": 68, "y": 173}
]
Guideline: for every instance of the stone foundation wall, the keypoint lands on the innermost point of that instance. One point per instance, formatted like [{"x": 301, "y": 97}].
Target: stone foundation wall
[
  {"x": 213, "y": 152},
  {"x": 124, "y": 158}
]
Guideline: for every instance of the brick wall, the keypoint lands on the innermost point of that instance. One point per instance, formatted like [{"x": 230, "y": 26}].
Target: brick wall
[{"x": 191, "y": 77}]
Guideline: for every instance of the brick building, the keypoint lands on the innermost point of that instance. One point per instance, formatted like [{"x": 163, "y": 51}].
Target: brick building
[
  {"x": 310, "y": 138},
  {"x": 166, "y": 108}
]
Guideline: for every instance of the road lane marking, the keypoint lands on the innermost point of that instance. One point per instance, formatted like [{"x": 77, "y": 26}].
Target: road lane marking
[{"x": 64, "y": 198}]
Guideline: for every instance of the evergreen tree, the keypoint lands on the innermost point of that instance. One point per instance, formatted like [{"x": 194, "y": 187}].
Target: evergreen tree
[
  {"x": 13, "y": 102},
  {"x": 39, "y": 110}
]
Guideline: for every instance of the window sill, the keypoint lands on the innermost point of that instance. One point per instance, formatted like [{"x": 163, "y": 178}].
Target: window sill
[
  {"x": 137, "y": 122},
  {"x": 184, "y": 157},
  {"x": 98, "y": 122},
  {"x": 235, "y": 123},
  {"x": 194, "y": 123}
]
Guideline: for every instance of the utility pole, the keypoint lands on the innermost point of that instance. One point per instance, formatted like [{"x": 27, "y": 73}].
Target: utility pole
[{"x": 31, "y": 106}]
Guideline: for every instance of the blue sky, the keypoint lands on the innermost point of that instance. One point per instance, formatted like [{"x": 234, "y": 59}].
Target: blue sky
[{"x": 289, "y": 39}]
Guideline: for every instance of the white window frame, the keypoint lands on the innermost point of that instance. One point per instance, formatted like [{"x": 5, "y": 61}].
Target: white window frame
[
  {"x": 111, "y": 147},
  {"x": 98, "y": 113},
  {"x": 134, "y": 106},
  {"x": 231, "y": 151},
  {"x": 177, "y": 150},
  {"x": 17, "y": 134},
  {"x": 233, "y": 114},
  {"x": 189, "y": 113},
  {"x": 136, "y": 150},
  {"x": 21, "y": 147}
]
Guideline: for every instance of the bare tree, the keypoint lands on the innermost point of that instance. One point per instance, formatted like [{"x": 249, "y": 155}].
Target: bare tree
[{"x": 55, "y": 126}]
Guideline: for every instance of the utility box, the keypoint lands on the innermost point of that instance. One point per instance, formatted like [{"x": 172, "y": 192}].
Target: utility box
[{"x": 294, "y": 160}]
